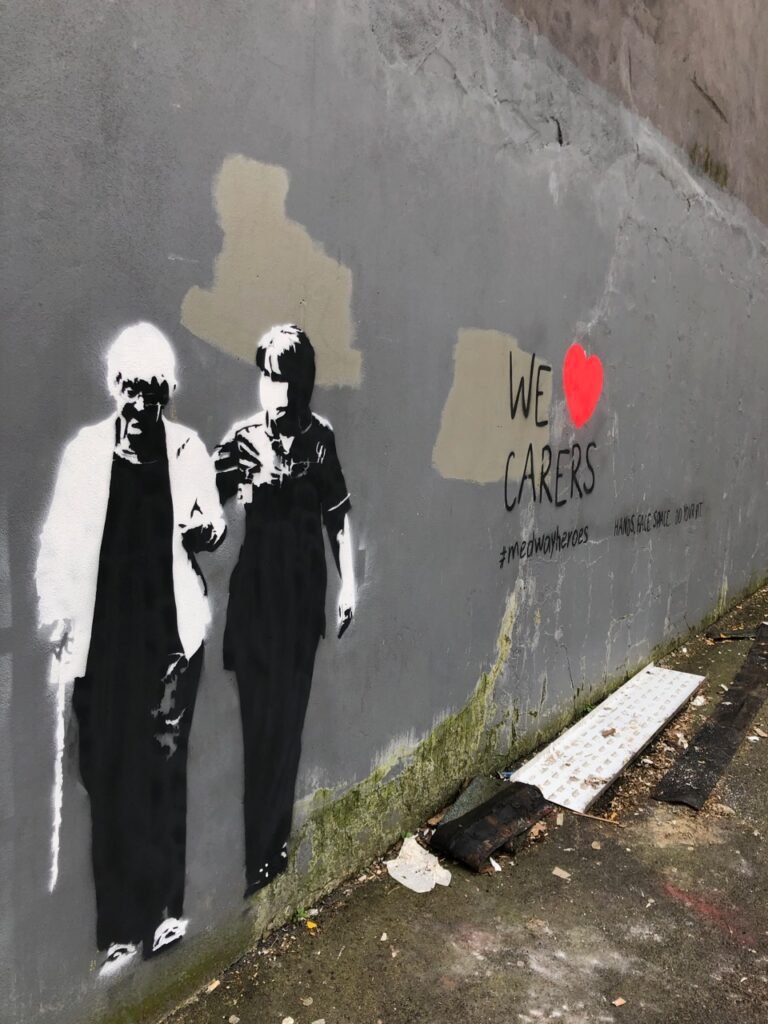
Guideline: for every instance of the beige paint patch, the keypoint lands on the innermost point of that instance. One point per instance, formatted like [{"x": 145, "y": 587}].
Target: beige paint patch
[
  {"x": 270, "y": 271},
  {"x": 477, "y": 431}
]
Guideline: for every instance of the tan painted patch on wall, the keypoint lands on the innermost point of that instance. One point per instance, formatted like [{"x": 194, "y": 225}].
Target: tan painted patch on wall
[
  {"x": 476, "y": 430},
  {"x": 270, "y": 271}
]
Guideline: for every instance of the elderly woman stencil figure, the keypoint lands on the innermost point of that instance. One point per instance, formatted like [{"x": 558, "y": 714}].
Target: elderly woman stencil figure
[
  {"x": 124, "y": 606},
  {"x": 282, "y": 464}
]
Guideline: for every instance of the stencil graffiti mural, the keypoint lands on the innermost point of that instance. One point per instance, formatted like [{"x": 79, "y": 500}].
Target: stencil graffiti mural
[
  {"x": 496, "y": 424},
  {"x": 555, "y": 475},
  {"x": 123, "y": 604},
  {"x": 282, "y": 465},
  {"x": 582, "y": 383}
]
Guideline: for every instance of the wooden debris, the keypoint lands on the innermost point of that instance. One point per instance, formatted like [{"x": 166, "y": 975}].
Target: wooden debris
[
  {"x": 695, "y": 774},
  {"x": 721, "y": 637},
  {"x": 560, "y": 873},
  {"x": 479, "y": 833},
  {"x": 723, "y": 809},
  {"x": 596, "y": 817}
]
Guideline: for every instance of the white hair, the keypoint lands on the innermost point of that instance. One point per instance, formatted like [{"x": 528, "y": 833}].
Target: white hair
[{"x": 140, "y": 352}]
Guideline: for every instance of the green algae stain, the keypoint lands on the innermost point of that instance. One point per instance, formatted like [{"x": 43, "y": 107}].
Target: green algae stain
[{"x": 341, "y": 835}]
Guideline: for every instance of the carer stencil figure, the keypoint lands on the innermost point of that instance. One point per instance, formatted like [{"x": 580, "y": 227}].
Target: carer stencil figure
[
  {"x": 282, "y": 464},
  {"x": 123, "y": 604}
]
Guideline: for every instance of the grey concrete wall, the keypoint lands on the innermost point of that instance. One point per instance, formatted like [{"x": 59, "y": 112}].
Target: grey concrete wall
[{"x": 467, "y": 180}]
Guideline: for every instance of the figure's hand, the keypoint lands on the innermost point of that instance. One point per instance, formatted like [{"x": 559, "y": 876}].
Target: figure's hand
[
  {"x": 346, "y": 608},
  {"x": 201, "y": 537},
  {"x": 249, "y": 458},
  {"x": 58, "y": 637},
  {"x": 257, "y": 460}
]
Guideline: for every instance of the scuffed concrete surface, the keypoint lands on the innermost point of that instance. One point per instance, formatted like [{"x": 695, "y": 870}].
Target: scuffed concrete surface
[
  {"x": 664, "y": 912},
  {"x": 697, "y": 68}
]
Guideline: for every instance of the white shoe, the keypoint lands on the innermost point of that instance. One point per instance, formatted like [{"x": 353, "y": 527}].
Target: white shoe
[
  {"x": 171, "y": 930},
  {"x": 118, "y": 956}
]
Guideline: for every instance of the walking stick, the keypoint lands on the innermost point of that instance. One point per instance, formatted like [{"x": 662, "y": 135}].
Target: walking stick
[{"x": 57, "y": 679}]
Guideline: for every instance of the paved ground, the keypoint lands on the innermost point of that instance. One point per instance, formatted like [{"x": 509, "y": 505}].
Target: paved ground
[{"x": 667, "y": 913}]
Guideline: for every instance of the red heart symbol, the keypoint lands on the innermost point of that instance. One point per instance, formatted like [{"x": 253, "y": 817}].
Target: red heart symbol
[{"x": 582, "y": 382}]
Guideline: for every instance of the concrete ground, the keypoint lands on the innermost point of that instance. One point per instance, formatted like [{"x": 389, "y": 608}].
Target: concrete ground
[{"x": 664, "y": 910}]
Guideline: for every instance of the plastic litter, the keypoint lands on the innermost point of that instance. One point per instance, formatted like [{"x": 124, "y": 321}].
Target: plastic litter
[{"x": 416, "y": 868}]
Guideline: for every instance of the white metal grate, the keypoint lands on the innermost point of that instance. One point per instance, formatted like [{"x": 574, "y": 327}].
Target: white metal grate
[{"x": 582, "y": 762}]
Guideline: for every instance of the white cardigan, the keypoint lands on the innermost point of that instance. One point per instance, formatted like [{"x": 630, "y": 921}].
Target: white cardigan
[{"x": 70, "y": 544}]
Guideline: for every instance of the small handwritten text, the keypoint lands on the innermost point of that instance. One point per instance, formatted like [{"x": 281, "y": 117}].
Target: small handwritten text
[
  {"x": 543, "y": 544},
  {"x": 647, "y": 520}
]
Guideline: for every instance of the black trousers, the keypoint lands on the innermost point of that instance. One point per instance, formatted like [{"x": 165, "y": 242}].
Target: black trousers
[
  {"x": 274, "y": 693},
  {"x": 133, "y": 743}
]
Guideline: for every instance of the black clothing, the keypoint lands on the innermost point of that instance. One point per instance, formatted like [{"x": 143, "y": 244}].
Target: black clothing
[
  {"x": 275, "y": 618},
  {"x": 134, "y": 708}
]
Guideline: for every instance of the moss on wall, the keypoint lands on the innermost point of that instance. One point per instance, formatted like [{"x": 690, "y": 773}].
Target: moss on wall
[{"x": 341, "y": 835}]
